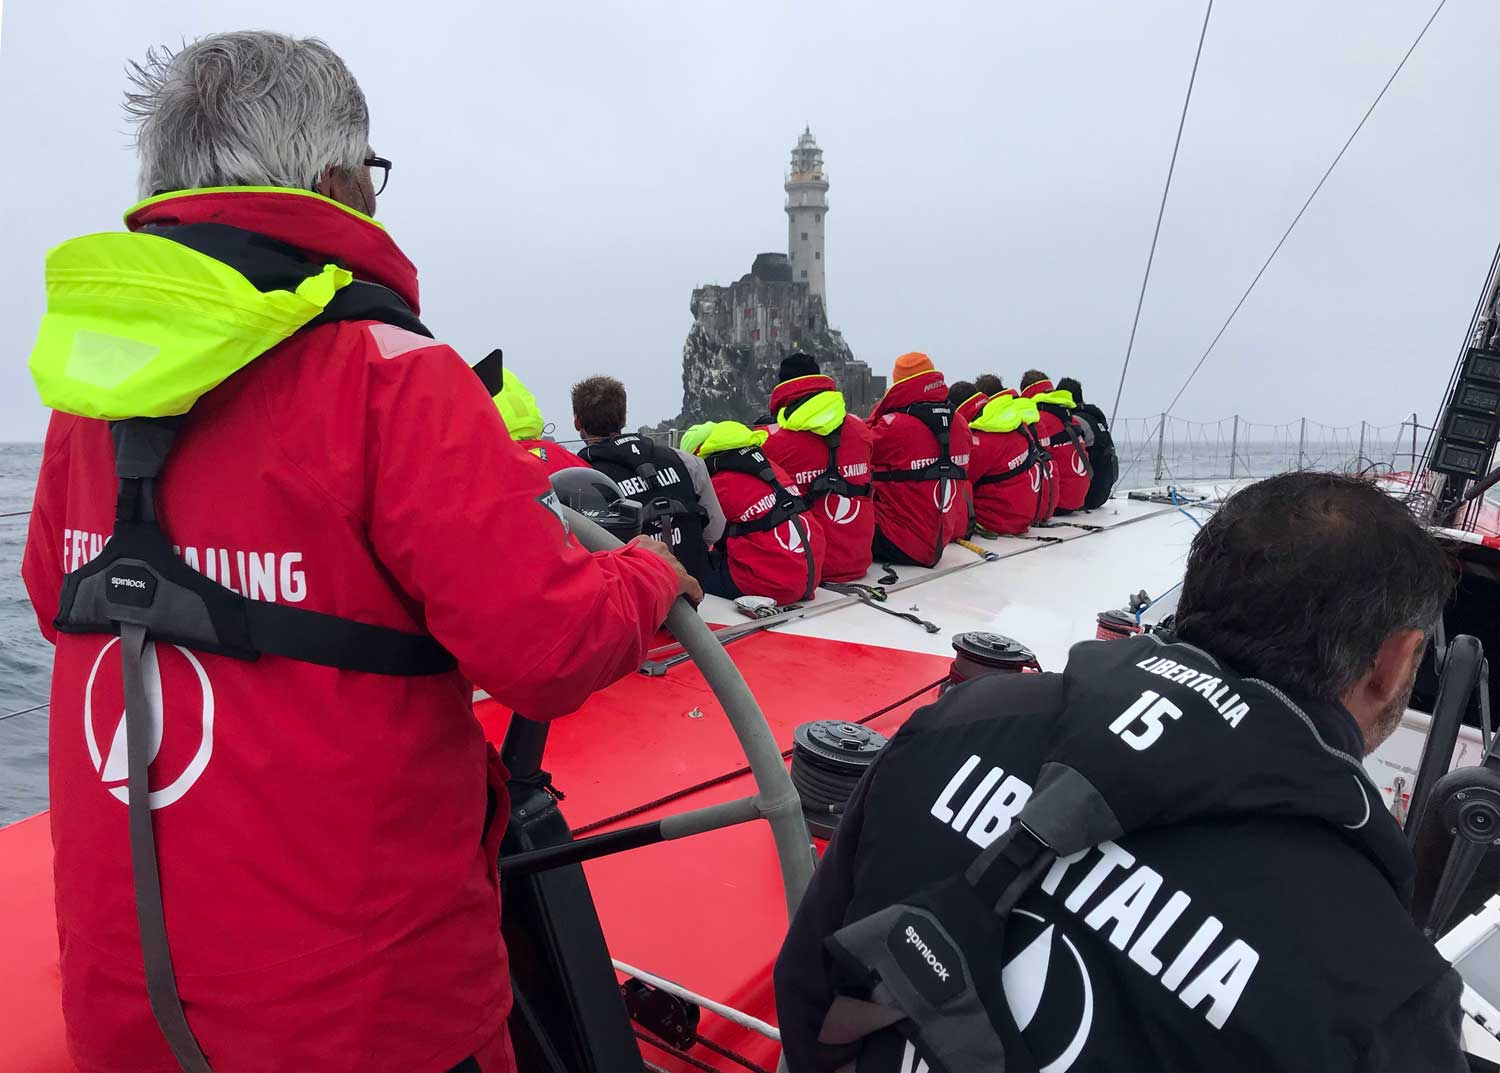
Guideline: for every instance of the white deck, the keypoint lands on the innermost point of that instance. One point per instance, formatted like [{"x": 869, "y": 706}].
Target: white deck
[{"x": 1045, "y": 595}]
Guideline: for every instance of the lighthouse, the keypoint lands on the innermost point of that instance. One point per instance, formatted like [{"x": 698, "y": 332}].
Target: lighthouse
[{"x": 806, "y": 207}]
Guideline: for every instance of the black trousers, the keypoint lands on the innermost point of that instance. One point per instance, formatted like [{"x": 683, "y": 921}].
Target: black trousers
[{"x": 886, "y": 552}]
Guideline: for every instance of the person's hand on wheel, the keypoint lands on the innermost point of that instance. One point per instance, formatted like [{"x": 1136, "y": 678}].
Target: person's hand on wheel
[{"x": 687, "y": 585}]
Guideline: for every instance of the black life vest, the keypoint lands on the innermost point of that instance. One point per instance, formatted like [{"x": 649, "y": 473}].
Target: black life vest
[
  {"x": 656, "y": 476},
  {"x": 752, "y": 462},
  {"x": 1104, "y": 464},
  {"x": 1068, "y": 434},
  {"x": 938, "y": 417},
  {"x": 1147, "y": 862},
  {"x": 139, "y": 589},
  {"x": 789, "y": 507},
  {"x": 832, "y": 482}
]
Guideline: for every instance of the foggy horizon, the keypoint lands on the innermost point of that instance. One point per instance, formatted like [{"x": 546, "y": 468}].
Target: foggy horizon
[{"x": 564, "y": 180}]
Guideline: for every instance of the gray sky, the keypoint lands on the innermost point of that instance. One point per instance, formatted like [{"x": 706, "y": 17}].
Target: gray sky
[{"x": 565, "y": 174}]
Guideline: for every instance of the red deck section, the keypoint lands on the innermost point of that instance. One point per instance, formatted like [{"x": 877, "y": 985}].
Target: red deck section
[
  {"x": 31, "y": 1025},
  {"x": 707, "y": 912}
]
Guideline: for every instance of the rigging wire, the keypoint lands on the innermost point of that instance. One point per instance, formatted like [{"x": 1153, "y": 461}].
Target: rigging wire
[
  {"x": 16, "y": 514},
  {"x": 25, "y": 711},
  {"x": 1358, "y": 127},
  {"x": 1161, "y": 212}
]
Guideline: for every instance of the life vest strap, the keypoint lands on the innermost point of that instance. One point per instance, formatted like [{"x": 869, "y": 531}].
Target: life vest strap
[
  {"x": 1035, "y": 454},
  {"x": 831, "y": 481},
  {"x": 938, "y": 417},
  {"x": 161, "y": 980},
  {"x": 751, "y": 462}
]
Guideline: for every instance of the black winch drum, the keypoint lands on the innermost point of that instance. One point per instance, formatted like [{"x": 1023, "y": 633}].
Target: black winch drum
[
  {"x": 1114, "y": 625},
  {"x": 828, "y": 759},
  {"x": 979, "y": 653}
]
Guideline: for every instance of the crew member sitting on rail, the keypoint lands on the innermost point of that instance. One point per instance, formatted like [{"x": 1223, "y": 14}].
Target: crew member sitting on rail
[
  {"x": 827, "y": 452},
  {"x": 1062, "y": 438},
  {"x": 311, "y": 877},
  {"x": 1099, "y": 443},
  {"x": 773, "y": 545},
  {"x": 1006, "y": 465},
  {"x": 673, "y": 486},
  {"x": 523, "y": 420},
  {"x": 921, "y": 449},
  {"x": 1172, "y": 846}
]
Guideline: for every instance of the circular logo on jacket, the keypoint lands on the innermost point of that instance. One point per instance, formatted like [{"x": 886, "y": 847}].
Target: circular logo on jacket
[
  {"x": 943, "y": 494},
  {"x": 180, "y": 732},
  {"x": 841, "y": 510},
  {"x": 1078, "y": 466},
  {"x": 788, "y": 536},
  {"x": 1036, "y": 478},
  {"x": 1049, "y": 991}
]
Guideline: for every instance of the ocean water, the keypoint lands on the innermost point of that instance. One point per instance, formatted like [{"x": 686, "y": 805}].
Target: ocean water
[
  {"x": 1187, "y": 451},
  {"x": 25, "y": 658}
]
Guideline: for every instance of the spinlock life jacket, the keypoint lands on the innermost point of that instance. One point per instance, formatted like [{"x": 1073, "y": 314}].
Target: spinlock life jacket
[
  {"x": 656, "y": 476},
  {"x": 1065, "y": 443},
  {"x": 1166, "y": 865},
  {"x": 921, "y": 448},
  {"x": 1104, "y": 464},
  {"x": 772, "y": 545},
  {"x": 138, "y": 587},
  {"x": 827, "y": 452},
  {"x": 1008, "y": 468}
]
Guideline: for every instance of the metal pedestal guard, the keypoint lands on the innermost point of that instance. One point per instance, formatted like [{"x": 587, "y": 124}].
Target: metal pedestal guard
[{"x": 775, "y": 799}]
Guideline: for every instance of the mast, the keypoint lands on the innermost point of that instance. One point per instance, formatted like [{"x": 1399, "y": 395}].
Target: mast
[{"x": 1461, "y": 448}]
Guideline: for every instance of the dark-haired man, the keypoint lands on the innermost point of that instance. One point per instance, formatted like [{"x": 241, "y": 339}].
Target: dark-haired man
[
  {"x": 674, "y": 486},
  {"x": 989, "y": 383},
  {"x": 1098, "y": 442},
  {"x": 1169, "y": 855}
]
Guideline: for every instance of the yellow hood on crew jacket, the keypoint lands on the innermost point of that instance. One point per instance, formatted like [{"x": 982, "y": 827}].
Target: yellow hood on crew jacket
[
  {"x": 711, "y": 437},
  {"x": 518, "y": 408}
]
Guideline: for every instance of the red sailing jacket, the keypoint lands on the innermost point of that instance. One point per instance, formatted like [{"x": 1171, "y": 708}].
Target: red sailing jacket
[
  {"x": 553, "y": 456},
  {"x": 329, "y": 902},
  {"x": 910, "y": 513},
  {"x": 1010, "y": 505},
  {"x": 784, "y": 563},
  {"x": 798, "y": 447},
  {"x": 1067, "y": 464}
]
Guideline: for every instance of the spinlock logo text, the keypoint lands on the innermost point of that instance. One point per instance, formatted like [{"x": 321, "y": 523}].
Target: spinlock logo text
[
  {"x": 927, "y": 956},
  {"x": 926, "y": 951},
  {"x": 131, "y": 583}
]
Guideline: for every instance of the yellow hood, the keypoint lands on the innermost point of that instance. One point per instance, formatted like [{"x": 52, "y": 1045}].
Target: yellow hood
[
  {"x": 711, "y": 437},
  {"x": 822, "y": 413},
  {"x": 518, "y": 408},
  {"x": 1005, "y": 413}
]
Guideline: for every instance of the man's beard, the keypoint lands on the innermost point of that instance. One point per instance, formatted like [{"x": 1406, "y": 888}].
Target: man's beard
[{"x": 1390, "y": 716}]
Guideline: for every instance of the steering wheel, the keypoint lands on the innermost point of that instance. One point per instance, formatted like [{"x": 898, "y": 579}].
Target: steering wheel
[{"x": 775, "y": 799}]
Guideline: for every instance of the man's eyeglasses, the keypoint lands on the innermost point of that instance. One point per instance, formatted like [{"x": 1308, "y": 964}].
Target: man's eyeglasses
[{"x": 380, "y": 172}]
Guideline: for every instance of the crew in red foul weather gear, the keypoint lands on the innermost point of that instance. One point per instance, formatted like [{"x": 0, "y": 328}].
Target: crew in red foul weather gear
[
  {"x": 523, "y": 420},
  {"x": 826, "y": 451},
  {"x": 1062, "y": 440},
  {"x": 773, "y": 546},
  {"x": 1008, "y": 467},
  {"x": 327, "y": 835},
  {"x": 921, "y": 449}
]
